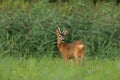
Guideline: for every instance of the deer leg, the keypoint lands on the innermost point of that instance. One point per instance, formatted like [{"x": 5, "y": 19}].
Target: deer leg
[
  {"x": 82, "y": 56},
  {"x": 65, "y": 59},
  {"x": 71, "y": 61},
  {"x": 76, "y": 58}
]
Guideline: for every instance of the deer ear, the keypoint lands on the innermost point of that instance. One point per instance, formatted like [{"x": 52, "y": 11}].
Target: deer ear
[{"x": 65, "y": 32}]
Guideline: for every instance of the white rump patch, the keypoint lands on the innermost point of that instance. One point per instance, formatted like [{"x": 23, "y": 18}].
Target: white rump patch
[{"x": 81, "y": 46}]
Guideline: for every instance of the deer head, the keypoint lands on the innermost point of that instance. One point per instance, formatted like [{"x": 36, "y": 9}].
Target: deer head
[{"x": 61, "y": 35}]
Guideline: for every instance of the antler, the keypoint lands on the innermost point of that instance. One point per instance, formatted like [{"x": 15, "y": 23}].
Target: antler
[
  {"x": 63, "y": 30},
  {"x": 59, "y": 29}
]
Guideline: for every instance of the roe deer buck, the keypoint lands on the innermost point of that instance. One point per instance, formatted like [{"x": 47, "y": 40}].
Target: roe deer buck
[{"x": 69, "y": 50}]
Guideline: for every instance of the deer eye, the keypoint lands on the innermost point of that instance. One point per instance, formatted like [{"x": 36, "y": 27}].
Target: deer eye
[{"x": 59, "y": 35}]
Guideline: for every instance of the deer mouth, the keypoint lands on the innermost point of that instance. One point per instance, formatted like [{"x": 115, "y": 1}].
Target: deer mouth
[{"x": 62, "y": 40}]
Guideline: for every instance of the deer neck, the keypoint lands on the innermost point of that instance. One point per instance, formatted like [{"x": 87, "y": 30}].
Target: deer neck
[{"x": 60, "y": 43}]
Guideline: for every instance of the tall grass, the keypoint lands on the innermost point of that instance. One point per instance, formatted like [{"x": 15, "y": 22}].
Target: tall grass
[{"x": 32, "y": 32}]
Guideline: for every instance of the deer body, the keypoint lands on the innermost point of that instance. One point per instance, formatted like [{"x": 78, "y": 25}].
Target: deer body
[{"x": 69, "y": 50}]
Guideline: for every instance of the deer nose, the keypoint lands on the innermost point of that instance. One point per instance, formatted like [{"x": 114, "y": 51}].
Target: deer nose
[{"x": 62, "y": 38}]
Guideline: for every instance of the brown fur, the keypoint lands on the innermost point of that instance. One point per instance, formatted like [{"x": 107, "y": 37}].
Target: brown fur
[{"x": 70, "y": 50}]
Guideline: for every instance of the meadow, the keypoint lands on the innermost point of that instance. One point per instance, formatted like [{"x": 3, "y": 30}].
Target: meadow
[
  {"x": 54, "y": 69},
  {"x": 28, "y": 48}
]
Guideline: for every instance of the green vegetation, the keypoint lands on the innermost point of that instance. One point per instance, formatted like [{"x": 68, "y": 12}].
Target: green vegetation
[
  {"x": 54, "y": 69},
  {"x": 32, "y": 32},
  {"x": 28, "y": 40}
]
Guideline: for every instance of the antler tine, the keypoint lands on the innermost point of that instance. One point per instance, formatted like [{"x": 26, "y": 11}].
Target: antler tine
[
  {"x": 63, "y": 30},
  {"x": 59, "y": 29}
]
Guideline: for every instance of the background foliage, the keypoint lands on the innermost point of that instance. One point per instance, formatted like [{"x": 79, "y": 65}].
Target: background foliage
[{"x": 28, "y": 28}]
